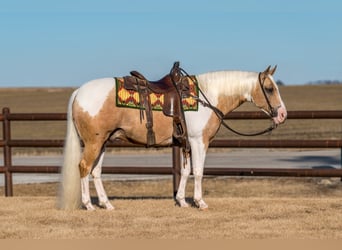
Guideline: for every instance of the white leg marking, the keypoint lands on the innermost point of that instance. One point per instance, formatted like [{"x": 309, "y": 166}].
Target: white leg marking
[
  {"x": 103, "y": 200},
  {"x": 198, "y": 158},
  {"x": 86, "y": 201},
  {"x": 185, "y": 172},
  {"x": 96, "y": 173}
]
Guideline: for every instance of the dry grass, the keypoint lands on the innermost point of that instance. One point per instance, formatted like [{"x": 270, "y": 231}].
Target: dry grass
[
  {"x": 228, "y": 218},
  {"x": 240, "y": 208}
]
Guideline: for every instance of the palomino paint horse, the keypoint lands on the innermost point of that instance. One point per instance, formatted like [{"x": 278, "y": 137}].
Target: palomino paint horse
[{"x": 93, "y": 117}]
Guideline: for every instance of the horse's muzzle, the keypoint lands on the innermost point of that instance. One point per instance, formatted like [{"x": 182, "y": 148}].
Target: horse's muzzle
[{"x": 279, "y": 115}]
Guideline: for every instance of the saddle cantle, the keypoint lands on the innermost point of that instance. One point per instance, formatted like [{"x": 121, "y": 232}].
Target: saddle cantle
[{"x": 173, "y": 86}]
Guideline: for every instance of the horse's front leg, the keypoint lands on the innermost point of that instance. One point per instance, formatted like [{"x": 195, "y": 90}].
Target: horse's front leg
[
  {"x": 198, "y": 157},
  {"x": 101, "y": 193},
  {"x": 198, "y": 199},
  {"x": 185, "y": 172}
]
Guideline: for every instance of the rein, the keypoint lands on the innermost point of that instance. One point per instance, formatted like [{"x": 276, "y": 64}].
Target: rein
[{"x": 220, "y": 115}]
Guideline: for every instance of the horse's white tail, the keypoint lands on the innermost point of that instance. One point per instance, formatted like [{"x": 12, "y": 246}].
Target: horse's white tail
[{"x": 70, "y": 188}]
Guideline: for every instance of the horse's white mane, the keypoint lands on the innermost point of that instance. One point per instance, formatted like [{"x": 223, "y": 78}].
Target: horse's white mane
[{"x": 227, "y": 82}]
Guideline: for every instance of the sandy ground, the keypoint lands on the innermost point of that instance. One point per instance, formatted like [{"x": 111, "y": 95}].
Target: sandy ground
[{"x": 239, "y": 208}]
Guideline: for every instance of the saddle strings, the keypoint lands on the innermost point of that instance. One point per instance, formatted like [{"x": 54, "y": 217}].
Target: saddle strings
[{"x": 220, "y": 115}]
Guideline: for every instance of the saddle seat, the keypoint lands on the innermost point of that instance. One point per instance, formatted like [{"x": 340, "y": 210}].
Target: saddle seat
[{"x": 161, "y": 86}]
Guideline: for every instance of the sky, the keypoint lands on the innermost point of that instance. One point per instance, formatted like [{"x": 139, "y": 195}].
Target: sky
[{"x": 45, "y": 43}]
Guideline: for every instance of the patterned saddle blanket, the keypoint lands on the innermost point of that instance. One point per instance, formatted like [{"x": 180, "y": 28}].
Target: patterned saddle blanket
[{"x": 130, "y": 98}]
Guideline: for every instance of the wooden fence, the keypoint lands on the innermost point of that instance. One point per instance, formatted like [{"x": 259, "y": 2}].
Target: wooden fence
[{"x": 7, "y": 143}]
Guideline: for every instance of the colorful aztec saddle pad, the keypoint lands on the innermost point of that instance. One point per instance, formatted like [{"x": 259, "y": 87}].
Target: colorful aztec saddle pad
[{"x": 130, "y": 98}]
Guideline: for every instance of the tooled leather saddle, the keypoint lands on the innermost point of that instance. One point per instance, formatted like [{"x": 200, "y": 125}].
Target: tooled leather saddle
[{"x": 174, "y": 86}]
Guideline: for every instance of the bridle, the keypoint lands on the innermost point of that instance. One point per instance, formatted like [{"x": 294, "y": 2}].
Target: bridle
[
  {"x": 273, "y": 112},
  {"x": 220, "y": 115}
]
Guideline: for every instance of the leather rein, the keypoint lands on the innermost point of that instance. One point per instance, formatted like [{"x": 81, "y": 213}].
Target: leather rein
[{"x": 220, "y": 114}]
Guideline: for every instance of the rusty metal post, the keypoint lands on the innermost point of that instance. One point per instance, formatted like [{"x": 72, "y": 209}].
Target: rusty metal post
[
  {"x": 7, "y": 152},
  {"x": 176, "y": 162}
]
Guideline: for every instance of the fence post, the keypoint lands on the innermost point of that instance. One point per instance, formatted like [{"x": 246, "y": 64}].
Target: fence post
[
  {"x": 176, "y": 162},
  {"x": 7, "y": 152}
]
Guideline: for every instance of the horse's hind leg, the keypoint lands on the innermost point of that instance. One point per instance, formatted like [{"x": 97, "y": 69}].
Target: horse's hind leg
[
  {"x": 90, "y": 155},
  {"x": 86, "y": 201},
  {"x": 101, "y": 193}
]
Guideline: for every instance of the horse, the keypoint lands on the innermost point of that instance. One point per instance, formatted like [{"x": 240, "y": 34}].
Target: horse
[{"x": 94, "y": 118}]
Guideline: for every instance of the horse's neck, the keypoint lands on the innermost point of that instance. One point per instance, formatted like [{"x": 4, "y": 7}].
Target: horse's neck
[
  {"x": 228, "y": 104},
  {"x": 227, "y": 90}
]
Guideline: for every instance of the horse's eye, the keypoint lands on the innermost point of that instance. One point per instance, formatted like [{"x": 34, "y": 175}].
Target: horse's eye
[{"x": 269, "y": 90}]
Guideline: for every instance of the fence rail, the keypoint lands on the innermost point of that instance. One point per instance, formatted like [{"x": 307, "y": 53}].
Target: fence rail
[{"x": 8, "y": 143}]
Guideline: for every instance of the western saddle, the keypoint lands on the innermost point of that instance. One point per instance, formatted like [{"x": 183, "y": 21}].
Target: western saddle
[{"x": 174, "y": 86}]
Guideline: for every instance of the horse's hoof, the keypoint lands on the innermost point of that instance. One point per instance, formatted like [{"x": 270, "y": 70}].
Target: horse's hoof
[
  {"x": 202, "y": 206},
  {"x": 181, "y": 203},
  {"x": 88, "y": 206},
  {"x": 106, "y": 205}
]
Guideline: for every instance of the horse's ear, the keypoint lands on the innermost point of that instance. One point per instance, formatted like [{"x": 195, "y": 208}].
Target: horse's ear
[
  {"x": 266, "y": 71},
  {"x": 271, "y": 72}
]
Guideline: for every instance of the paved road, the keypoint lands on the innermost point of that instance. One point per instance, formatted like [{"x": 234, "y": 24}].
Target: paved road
[{"x": 240, "y": 158}]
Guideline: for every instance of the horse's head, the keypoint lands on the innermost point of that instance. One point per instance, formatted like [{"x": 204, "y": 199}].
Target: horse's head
[{"x": 266, "y": 96}]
